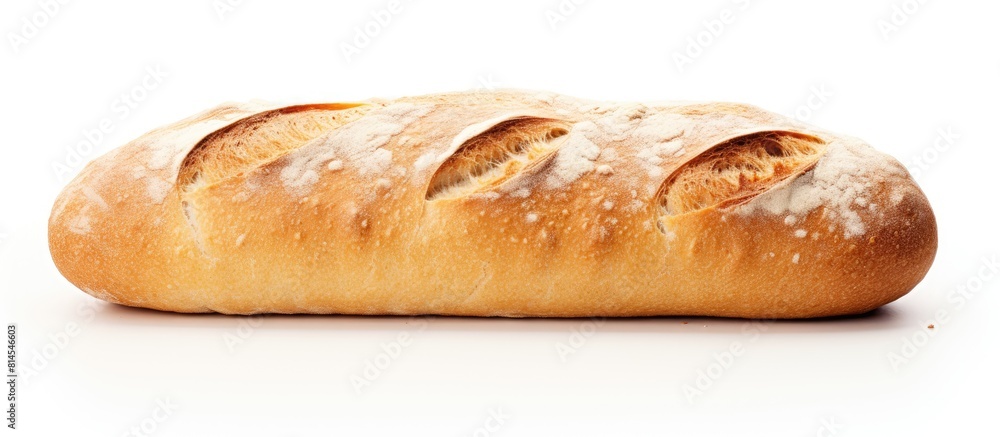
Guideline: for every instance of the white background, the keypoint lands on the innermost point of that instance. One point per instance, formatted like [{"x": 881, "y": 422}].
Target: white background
[{"x": 896, "y": 81}]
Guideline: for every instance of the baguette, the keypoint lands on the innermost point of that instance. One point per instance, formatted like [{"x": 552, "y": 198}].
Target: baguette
[{"x": 504, "y": 203}]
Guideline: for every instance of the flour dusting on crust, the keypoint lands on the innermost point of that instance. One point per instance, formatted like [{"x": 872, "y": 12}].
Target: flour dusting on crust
[
  {"x": 357, "y": 145},
  {"x": 843, "y": 175},
  {"x": 576, "y": 156},
  {"x": 166, "y": 149}
]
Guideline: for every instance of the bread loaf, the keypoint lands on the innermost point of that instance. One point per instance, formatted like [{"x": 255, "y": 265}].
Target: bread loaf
[{"x": 495, "y": 204}]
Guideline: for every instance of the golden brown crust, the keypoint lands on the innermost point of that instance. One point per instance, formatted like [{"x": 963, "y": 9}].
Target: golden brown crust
[{"x": 557, "y": 212}]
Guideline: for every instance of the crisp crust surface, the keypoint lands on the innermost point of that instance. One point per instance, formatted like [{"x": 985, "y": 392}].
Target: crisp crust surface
[{"x": 495, "y": 204}]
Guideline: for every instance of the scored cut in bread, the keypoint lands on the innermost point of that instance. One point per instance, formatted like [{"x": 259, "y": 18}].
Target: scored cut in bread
[{"x": 502, "y": 203}]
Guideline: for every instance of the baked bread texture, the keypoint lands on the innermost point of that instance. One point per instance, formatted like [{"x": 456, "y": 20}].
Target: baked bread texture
[{"x": 504, "y": 203}]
